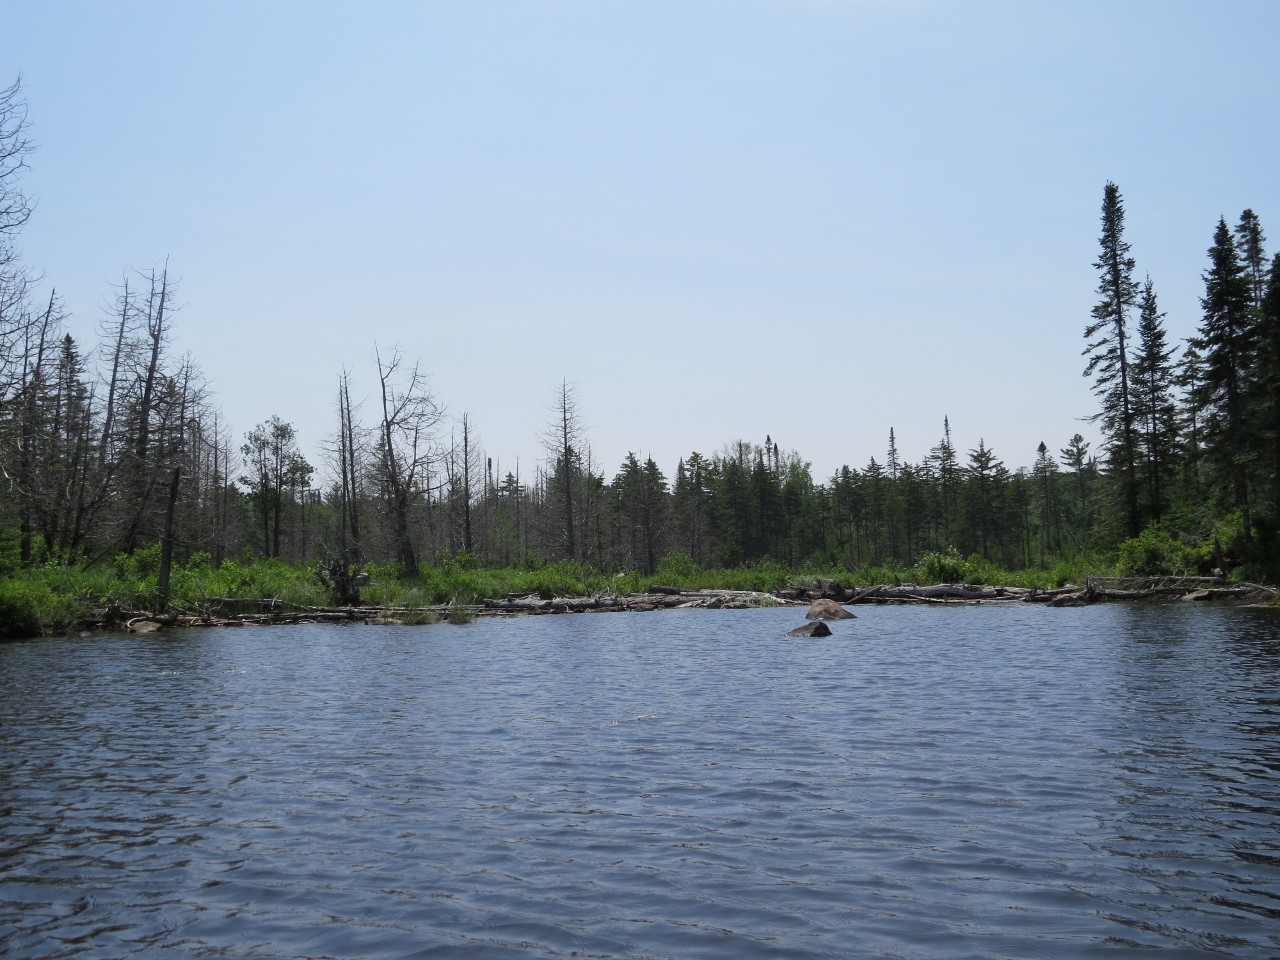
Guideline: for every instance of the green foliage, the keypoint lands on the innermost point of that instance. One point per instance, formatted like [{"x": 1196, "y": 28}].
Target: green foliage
[
  {"x": 459, "y": 613},
  {"x": 9, "y": 550},
  {"x": 677, "y": 569},
  {"x": 1155, "y": 553},
  {"x": 948, "y": 567},
  {"x": 139, "y": 565},
  {"x": 19, "y": 611},
  {"x": 32, "y": 608}
]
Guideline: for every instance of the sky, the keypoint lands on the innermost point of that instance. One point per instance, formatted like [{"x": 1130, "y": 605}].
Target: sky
[{"x": 815, "y": 221}]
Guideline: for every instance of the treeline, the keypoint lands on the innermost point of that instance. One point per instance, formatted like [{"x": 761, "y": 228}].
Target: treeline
[{"x": 105, "y": 446}]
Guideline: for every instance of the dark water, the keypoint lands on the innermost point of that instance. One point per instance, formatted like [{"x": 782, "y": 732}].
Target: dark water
[{"x": 951, "y": 783}]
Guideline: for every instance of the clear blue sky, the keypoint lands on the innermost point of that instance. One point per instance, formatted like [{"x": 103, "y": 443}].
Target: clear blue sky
[{"x": 813, "y": 220}]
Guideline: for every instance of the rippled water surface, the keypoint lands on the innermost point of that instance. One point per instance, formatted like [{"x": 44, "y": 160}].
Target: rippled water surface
[{"x": 959, "y": 782}]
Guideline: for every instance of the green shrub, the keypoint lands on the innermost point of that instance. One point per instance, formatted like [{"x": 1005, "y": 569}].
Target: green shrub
[
  {"x": 19, "y": 611},
  {"x": 1153, "y": 553},
  {"x": 677, "y": 570},
  {"x": 948, "y": 567}
]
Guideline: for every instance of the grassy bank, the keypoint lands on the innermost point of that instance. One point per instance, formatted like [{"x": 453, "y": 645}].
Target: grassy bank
[{"x": 51, "y": 598}]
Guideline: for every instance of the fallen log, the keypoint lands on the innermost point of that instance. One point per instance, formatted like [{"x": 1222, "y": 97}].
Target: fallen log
[{"x": 938, "y": 591}]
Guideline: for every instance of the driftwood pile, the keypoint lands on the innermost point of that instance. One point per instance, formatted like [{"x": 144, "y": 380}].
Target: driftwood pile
[
  {"x": 1096, "y": 589},
  {"x": 657, "y": 598},
  {"x": 229, "y": 612},
  {"x": 232, "y": 612}
]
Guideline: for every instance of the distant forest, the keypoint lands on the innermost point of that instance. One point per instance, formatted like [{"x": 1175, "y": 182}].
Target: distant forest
[{"x": 100, "y": 443}]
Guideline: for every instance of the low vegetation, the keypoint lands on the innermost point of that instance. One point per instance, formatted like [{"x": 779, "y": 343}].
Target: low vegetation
[{"x": 53, "y": 598}]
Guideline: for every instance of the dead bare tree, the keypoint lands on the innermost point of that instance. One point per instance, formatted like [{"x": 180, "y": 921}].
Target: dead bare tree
[
  {"x": 464, "y": 467},
  {"x": 15, "y": 210},
  {"x": 406, "y": 446},
  {"x": 562, "y": 439},
  {"x": 15, "y": 146},
  {"x": 155, "y": 336}
]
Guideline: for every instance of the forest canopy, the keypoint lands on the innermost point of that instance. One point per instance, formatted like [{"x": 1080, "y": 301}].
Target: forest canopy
[{"x": 105, "y": 445}]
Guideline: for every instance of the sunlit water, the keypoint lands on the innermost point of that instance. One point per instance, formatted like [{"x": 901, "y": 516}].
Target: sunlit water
[{"x": 929, "y": 782}]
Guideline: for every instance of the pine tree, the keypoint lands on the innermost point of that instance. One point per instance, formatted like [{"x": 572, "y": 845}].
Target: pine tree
[
  {"x": 1227, "y": 339},
  {"x": 946, "y": 466},
  {"x": 1108, "y": 355},
  {"x": 1251, "y": 244},
  {"x": 1153, "y": 403},
  {"x": 985, "y": 481},
  {"x": 1046, "y": 476},
  {"x": 873, "y": 482},
  {"x": 1187, "y": 378},
  {"x": 1076, "y": 456},
  {"x": 1267, "y": 385},
  {"x": 893, "y": 498}
]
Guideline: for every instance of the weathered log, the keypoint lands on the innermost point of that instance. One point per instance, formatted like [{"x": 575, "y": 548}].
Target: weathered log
[{"x": 938, "y": 591}]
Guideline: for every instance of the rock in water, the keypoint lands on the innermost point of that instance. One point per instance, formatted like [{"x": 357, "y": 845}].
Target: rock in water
[
  {"x": 1067, "y": 600},
  {"x": 828, "y": 610},
  {"x": 815, "y": 629}
]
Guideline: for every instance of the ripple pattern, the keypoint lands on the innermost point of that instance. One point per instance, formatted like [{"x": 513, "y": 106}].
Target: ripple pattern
[{"x": 955, "y": 782}]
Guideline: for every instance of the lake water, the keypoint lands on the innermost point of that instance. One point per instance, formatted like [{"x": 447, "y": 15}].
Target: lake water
[{"x": 928, "y": 783}]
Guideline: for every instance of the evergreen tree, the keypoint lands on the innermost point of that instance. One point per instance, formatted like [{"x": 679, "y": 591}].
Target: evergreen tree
[
  {"x": 1267, "y": 384},
  {"x": 1187, "y": 378},
  {"x": 1108, "y": 355},
  {"x": 945, "y": 465},
  {"x": 873, "y": 481},
  {"x": 1251, "y": 244},
  {"x": 1076, "y": 456},
  {"x": 1050, "y": 517},
  {"x": 1227, "y": 339},
  {"x": 274, "y": 464},
  {"x": 689, "y": 508},
  {"x": 985, "y": 481},
  {"x": 893, "y": 498},
  {"x": 1153, "y": 404}
]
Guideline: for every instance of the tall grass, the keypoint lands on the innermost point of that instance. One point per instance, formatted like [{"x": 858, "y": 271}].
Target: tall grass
[{"x": 47, "y": 599}]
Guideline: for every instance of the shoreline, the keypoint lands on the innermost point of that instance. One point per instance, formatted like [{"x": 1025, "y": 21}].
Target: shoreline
[{"x": 239, "y": 612}]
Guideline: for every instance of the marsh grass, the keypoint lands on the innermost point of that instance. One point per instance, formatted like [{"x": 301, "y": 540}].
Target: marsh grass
[{"x": 47, "y": 599}]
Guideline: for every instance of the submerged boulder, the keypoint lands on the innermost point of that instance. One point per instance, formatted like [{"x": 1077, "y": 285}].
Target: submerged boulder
[
  {"x": 815, "y": 629},
  {"x": 828, "y": 610},
  {"x": 1067, "y": 600}
]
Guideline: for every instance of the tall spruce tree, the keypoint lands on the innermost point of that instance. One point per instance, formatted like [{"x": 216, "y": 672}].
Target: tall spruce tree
[
  {"x": 1228, "y": 342},
  {"x": 1076, "y": 456},
  {"x": 1050, "y": 517},
  {"x": 1153, "y": 404},
  {"x": 1267, "y": 384},
  {"x": 1187, "y": 378},
  {"x": 1251, "y": 244},
  {"x": 985, "y": 480},
  {"x": 1108, "y": 354},
  {"x": 946, "y": 467}
]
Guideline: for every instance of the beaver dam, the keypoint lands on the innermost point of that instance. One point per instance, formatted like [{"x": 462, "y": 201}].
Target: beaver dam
[{"x": 228, "y": 611}]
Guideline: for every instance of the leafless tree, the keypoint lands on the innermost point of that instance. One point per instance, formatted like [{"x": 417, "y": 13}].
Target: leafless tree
[
  {"x": 15, "y": 210},
  {"x": 406, "y": 446},
  {"x": 464, "y": 470},
  {"x": 346, "y": 453},
  {"x": 562, "y": 439},
  {"x": 15, "y": 146},
  {"x": 149, "y": 355}
]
